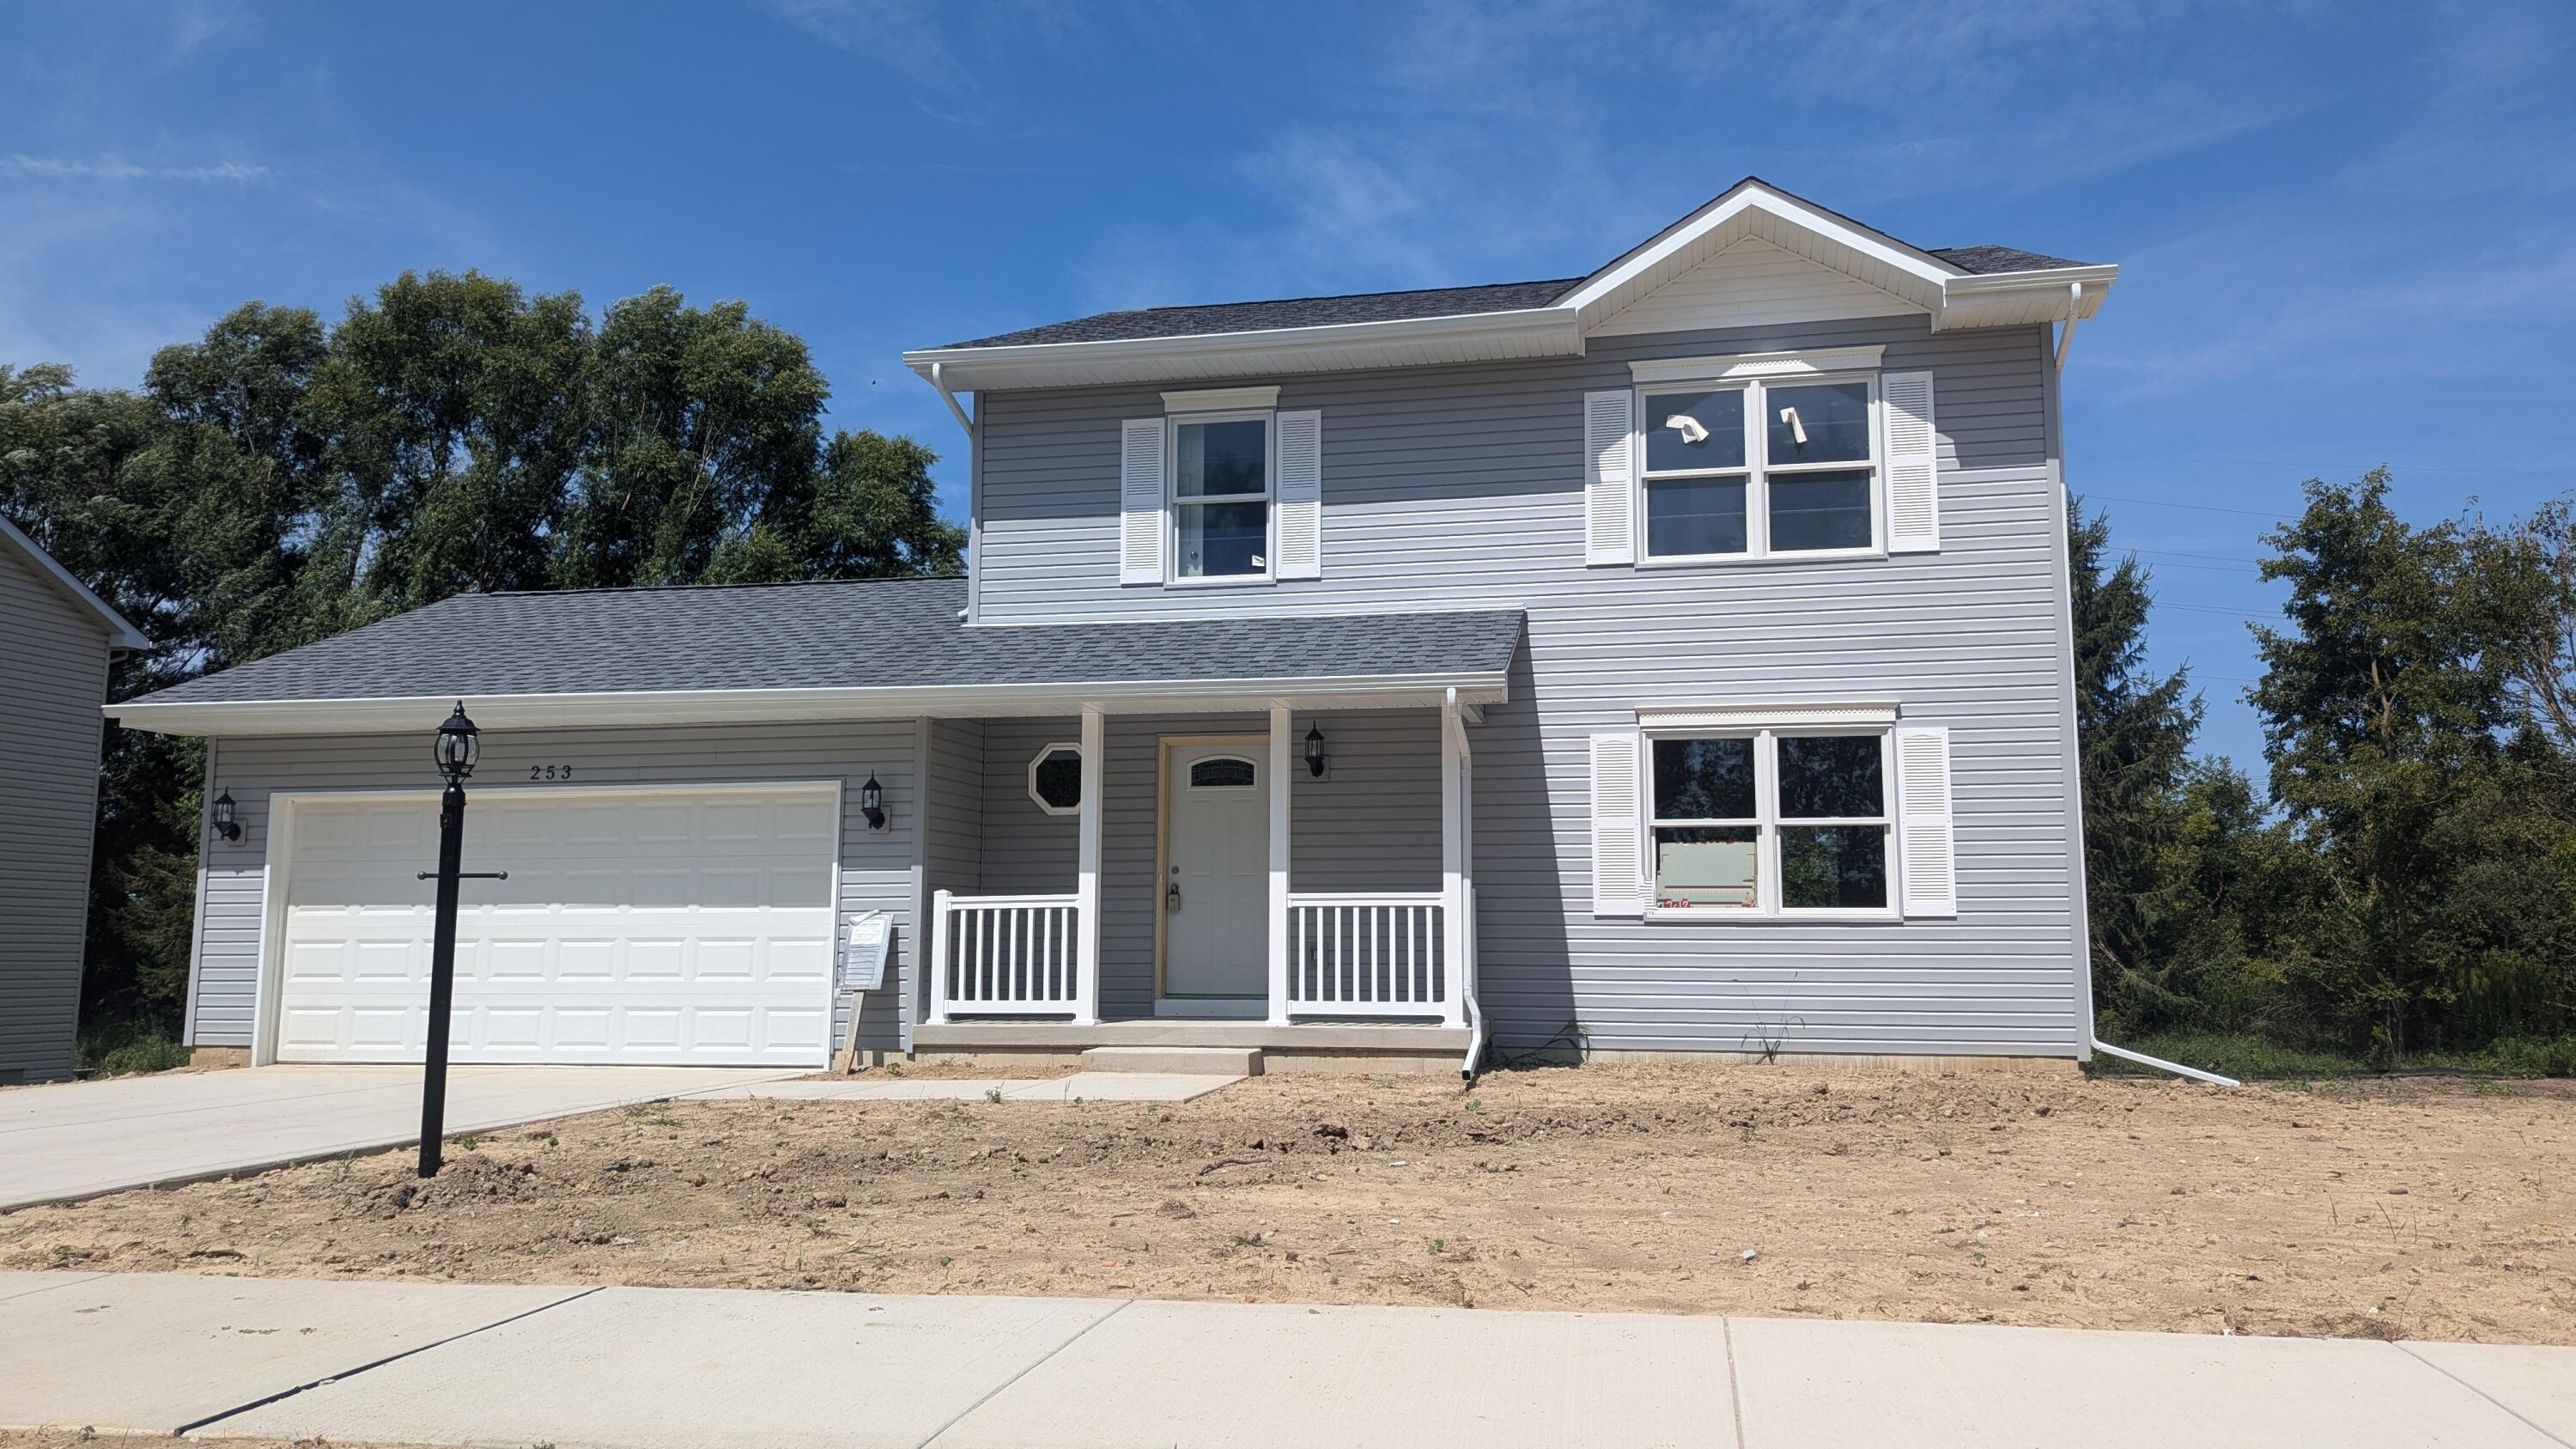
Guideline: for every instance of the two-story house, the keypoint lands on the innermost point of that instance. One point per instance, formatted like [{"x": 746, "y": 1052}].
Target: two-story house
[{"x": 1669, "y": 659}]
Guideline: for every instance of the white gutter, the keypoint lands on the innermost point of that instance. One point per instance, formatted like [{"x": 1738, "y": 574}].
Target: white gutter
[
  {"x": 723, "y": 706},
  {"x": 2160, "y": 1064},
  {"x": 950, "y": 398}
]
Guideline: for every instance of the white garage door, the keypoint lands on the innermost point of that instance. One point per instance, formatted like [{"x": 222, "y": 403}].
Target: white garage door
[{"x": 637, "y": 927}]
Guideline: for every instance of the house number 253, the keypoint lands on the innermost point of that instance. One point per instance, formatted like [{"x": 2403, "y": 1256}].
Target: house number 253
[{"x": 550, "y": 772}]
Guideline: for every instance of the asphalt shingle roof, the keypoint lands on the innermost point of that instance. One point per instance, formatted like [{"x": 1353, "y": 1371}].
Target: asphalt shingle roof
[
  {"x": 869, "y": 634},
  {"x": 1227, "y": 317},
  {"x": 1287, "y": 312},
  {"x": 1986, "y": 261}
]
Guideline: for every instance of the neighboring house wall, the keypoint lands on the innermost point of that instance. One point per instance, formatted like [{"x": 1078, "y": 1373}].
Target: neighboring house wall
[
  {"x": 53, "y": 656},
  {"x": 1461, "y": 486},
  {"x": 876, "y": 867}
]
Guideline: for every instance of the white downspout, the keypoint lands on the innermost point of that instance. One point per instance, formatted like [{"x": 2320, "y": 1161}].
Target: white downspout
[
  {"x": 2065, "y": 339},
  {"x": 1453, "y": 717},
  {"x": 2160, "y": 1064},
  {"x": 950, "y": 398}
]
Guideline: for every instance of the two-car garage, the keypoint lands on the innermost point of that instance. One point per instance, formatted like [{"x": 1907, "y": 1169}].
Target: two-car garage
[{"x": 658, "y": 925}]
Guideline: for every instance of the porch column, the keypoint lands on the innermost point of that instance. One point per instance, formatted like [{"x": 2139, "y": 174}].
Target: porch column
[
  {"x": 1453, "y": 864},
  {"x": 1086, "y": 889},
  {"x": 1279, "y": 777}
]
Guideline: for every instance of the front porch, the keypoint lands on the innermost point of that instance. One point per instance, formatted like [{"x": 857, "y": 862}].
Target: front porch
[{"x": 1203, "y": 882}]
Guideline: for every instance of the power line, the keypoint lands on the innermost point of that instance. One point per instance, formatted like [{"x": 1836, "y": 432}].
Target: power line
[
  {"x": 2359, "y": 467},
  {"x": 2212, "y": 557},
  {"x": 2215, "y": 609},
  {"x": 2203, "y": 507}
]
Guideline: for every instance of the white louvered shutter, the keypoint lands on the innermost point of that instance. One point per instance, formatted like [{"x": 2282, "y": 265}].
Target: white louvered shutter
[
  {"x": 1913, "y": 463},
  {"x": 1618, "y": 830},
  {"x": 1928, "y": 846},
  {"x": 1140, "y": 501},
  {"x": 1609, "y": 477},
  {"x": 1301, "y": 495}
]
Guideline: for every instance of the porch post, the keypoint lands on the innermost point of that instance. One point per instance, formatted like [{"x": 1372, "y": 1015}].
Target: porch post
[
  {"x": 939, "y": 957},
  {"x": 1453, "y": 865},
  {"x": 1279, "y": 777},
  {"x": 1086, "y": 898}
]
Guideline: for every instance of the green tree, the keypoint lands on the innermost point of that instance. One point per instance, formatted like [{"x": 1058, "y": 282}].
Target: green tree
[
  {"x": 2437, "y": 889},
  {"x": 705, "y": 424},
  {"x": 2134, "y": 730}
]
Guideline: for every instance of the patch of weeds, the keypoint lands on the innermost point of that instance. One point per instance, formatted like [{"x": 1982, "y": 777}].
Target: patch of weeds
[
  {"x": 466, "y": 1143},
  {"x": 127, "y": 1048},
  {"x": 1977, "y": 1258},
  {"x": 1440, "y": 1245},
  {"x": 944, "y": 1262},
  {"x": 894, "y": 1068},
  {"x": 992, "y": 1094},
  {"x": 1252, "y": 1240}
]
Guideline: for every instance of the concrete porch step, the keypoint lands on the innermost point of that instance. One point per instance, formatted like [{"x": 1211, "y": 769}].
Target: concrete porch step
[{"x": 1185, "y": 1061}]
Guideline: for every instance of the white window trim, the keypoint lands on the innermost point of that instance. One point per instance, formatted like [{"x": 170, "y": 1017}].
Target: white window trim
[
  {"x": 1222, "y": 399},
  {"x": 1767, "y": 823},
  {"x": 1068, "y": 747},
  {"x": 1659, "y": 372},
  {"x": 1758, "y": 469},
  {"x": 1173, "y": 504}
]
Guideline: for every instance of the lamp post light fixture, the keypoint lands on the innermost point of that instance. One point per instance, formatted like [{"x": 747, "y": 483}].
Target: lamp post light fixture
[
  {"x": 1315, "y": 751},
  {"x": 872, "y": 803},
  {"x": 459, "y": 745},
  {"x": 225, "y": 825}
]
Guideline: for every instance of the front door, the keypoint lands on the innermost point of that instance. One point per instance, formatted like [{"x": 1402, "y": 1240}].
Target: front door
[{"x": 1216, "y": 884}]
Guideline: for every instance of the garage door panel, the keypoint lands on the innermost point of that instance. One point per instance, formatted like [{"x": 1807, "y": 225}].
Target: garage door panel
[{"x": 665, "y": 927}]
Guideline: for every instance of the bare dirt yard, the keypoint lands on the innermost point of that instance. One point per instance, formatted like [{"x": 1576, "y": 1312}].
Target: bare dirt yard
[{"x": 2421, "y": 1208}]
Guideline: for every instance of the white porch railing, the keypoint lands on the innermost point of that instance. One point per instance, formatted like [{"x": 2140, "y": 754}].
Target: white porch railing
[
  {"x": 1004, "y": 956},
  {"x": 1367, "y": 955}
]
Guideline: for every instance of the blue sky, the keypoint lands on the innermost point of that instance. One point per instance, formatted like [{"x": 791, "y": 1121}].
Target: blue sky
[{"x": 2348, "y": 233}]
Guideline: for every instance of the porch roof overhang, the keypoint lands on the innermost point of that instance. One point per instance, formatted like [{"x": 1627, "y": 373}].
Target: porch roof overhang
[{"x": 815, "y": 652}]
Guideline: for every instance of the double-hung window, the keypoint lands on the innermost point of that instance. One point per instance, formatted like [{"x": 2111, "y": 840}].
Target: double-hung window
[
  {"x": 1761, "y": 468},
  {"x": 1221, "y": 494},
  {"x": 1772, "y": 822}
]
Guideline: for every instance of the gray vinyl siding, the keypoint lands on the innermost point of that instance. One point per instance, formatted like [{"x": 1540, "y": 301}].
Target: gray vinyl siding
[
  {"x": 1461, "y": 487},
  {"x": 1372, "y": 824},
  {"x": 876, "y": 868},
  {"x": 53, "y": 654}
]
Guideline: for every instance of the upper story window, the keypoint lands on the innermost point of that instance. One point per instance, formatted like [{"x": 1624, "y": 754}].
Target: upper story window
[
  {"x": 1220, "y": 503},
  {"x": 1760, "y": 468},
  {"x": 1226, "y": 487}
]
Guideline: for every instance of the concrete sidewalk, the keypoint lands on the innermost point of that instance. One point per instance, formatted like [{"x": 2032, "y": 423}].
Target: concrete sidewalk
[{"x": 640, "y": 1368}]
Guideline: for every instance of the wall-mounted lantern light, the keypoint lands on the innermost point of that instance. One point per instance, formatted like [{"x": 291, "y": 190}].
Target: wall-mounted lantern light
[
  {"x": 872, "y": 803},
  {"x": 225, "y": 825},
  {"x": 1315, "y": 751}
]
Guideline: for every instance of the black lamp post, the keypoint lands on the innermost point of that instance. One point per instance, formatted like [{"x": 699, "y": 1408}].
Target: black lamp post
[
  {"x": 1315, "y": 751},
  {"x": 459, "y": 745}
]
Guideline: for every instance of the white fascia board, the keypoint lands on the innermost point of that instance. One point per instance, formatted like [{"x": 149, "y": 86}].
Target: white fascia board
[
  {"x": 1551, "y": 329},
  {"x": 1757, "y": 364},
  {"x": 1754, "y": 196},
  {"x": 752, "y": 706},
  {"x": 120, "y": 634}
]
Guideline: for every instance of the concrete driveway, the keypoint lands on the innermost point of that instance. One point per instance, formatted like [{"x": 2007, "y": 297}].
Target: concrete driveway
[{"x": 79, "y": 1139}]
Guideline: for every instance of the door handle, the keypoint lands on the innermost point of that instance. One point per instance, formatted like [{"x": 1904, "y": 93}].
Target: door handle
[{"x": 1172, "y": 895}]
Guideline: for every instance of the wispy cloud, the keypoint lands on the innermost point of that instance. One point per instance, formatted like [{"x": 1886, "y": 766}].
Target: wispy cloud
[
  {"x": 904, "y": 36},
  {"x": 62, "y": 168}
]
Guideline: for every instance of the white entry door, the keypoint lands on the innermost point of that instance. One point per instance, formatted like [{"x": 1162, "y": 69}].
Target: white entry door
[
  {"x": 638, "y": 927},
  {"x": 1216, "y": 885}
]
